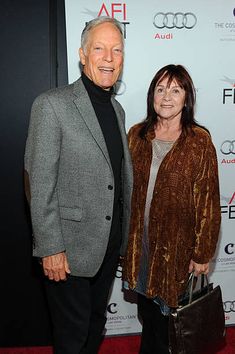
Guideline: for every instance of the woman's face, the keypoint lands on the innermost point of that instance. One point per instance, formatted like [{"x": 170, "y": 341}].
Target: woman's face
[{"x": 169, "y": 100}]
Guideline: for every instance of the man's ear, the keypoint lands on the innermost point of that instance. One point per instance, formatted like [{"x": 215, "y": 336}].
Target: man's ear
[{"x": 82, "y": 56}]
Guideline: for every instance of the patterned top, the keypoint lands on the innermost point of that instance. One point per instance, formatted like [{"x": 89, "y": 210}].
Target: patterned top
[{"x": 159, "y": 149}]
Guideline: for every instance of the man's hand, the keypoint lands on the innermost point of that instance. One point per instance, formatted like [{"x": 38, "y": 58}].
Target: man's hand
[
  {"x": 198, "y": 268},
  {"x": 56, "y": 266}
]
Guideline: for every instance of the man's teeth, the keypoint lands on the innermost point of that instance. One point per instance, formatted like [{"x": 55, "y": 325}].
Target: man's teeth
[{"x": 106, "y": 69}]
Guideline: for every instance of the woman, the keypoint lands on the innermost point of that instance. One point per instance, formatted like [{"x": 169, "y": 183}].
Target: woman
[{"x": 175, "y": 204}]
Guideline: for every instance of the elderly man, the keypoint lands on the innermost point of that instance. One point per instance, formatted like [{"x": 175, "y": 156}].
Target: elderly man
[{"x": 78, "y": 181}]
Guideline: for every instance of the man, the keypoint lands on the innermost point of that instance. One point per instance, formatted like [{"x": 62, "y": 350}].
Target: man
[{"x": 79, "y": 180}]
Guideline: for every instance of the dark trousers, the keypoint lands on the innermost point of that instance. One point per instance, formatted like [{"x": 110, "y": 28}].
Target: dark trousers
[
  {"x": 78, "y": 308},
  {"x": 154, "y": 339}
]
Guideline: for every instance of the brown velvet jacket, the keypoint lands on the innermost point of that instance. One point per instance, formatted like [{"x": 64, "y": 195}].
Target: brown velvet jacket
[{"x": 184, "y": 217}]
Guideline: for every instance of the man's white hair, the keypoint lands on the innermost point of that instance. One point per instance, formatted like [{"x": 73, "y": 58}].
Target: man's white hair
[{"x": 97, "y": 21}]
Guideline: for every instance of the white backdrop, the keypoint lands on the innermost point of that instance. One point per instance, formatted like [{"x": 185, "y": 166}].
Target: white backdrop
[{"x": 201, "y": 36}]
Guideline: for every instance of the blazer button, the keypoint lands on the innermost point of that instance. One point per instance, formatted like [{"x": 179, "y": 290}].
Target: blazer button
[
  {"x": 108, "y": 217},
  {"x": 110, "y": 187}
]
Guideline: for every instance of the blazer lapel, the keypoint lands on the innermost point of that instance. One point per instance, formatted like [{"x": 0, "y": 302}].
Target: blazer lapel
[{"x": 85, "y": 108}]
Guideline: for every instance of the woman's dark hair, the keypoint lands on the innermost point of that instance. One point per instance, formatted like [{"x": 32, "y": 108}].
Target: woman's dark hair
[{"x": 183, "y": 79}]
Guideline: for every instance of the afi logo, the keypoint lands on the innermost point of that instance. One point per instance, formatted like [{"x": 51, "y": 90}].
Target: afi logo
[
  {"x": 229, "y": 248},
  {"x": 229, "y": 93},
  {"x": 230, "y": 208},
  {"x": 232, "y": 198},
  {"x": 112, "y": 308},
  {"x": 116, "y": 8}
]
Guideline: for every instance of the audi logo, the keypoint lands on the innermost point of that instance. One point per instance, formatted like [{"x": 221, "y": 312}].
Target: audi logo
[
  {"x": 228, "y": 147},
  {"x": 175, "y": 20},
  {"x": 229, "y": 306}
]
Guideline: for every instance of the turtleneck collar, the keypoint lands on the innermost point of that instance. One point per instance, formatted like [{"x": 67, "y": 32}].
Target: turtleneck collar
[{"x": 96, "y": 93}]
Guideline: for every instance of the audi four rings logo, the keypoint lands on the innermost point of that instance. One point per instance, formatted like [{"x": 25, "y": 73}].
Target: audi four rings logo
[
  {"x": 229, "y": 306},
  {"x": 175, "y": 20},
  {"x": 228, "y": 147}
]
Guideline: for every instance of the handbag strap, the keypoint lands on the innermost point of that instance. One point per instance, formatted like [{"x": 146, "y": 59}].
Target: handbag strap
[{"x": 192, "y": 277}]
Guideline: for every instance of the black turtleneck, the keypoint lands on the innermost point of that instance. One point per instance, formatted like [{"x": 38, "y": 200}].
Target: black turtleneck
[{"x": 101, "y": 102}]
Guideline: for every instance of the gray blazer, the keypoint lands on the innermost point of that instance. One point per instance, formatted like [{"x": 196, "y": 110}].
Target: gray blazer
[{"x": 69, "y": 171}]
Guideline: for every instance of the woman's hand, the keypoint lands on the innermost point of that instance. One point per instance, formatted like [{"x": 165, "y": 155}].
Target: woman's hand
[{"x": 198, "y": 268}]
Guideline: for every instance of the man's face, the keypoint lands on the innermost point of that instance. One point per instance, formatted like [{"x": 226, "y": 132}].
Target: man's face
[{"x": 103, "y": 55}]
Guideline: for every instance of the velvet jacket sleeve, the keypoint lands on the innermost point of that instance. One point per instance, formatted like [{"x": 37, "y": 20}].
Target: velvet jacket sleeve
[{"x": 207, "y": 206}]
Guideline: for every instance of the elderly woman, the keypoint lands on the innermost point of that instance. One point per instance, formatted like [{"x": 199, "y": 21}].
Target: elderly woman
[{"x": 175, "y": 217}]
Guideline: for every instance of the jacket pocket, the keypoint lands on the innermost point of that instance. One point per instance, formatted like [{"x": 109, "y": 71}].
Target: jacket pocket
[{"x": 74, "y": 214}]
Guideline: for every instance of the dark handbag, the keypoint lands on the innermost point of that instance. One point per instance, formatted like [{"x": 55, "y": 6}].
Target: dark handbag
[{"x": 197, "y": 325}]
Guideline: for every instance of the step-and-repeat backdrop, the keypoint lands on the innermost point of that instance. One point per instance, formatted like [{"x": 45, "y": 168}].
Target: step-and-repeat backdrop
[{"x": 201, "y": 36}]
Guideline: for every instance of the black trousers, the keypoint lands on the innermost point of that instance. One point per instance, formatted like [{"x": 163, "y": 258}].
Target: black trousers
[
  {"x": 154, "y": 339},
  {"x": 78, "y": 307}
]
